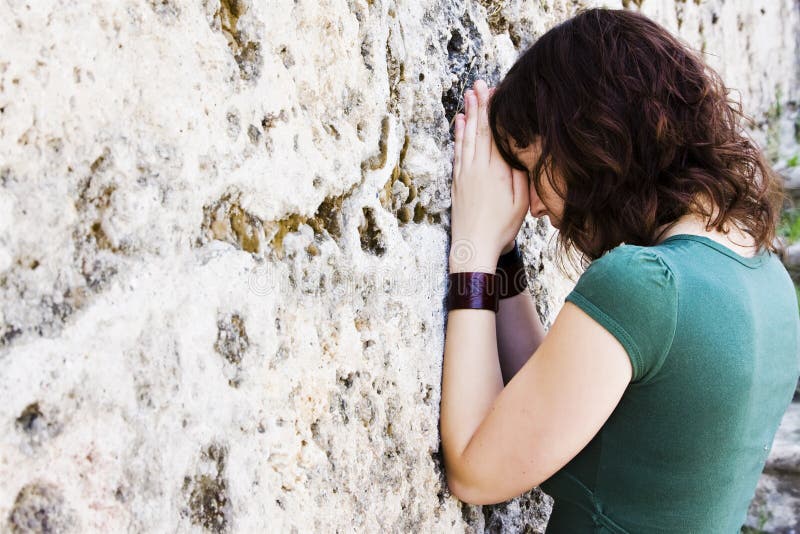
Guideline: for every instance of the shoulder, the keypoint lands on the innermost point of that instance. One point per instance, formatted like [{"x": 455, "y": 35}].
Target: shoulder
[
  {"x": 630, "y": 266},
  {"x": 632, "y": 291},
  {"x": 631, "y": 256}
]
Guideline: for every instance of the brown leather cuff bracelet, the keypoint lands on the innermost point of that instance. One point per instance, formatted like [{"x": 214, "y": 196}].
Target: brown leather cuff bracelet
[
  {"x": 472, "y": 290},
  {"x": 511, "y": 276}
]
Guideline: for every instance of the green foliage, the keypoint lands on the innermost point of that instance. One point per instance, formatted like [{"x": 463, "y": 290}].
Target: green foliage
[
  {"x": 789, "y": 226},
  {"x": 776, "y": 109},
  {"x": 773, "y": 115},
  {"x": 793, "y": 161},
  {"x": 764, "y": 515}
]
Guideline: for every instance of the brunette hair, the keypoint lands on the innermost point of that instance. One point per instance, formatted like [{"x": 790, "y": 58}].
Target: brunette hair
[{"x": 638, "y": 126}]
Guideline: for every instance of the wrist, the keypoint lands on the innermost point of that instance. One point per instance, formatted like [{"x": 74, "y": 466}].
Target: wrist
[
  {"x": 483, "y": 264},
  {"x": 465, "y": 256}
]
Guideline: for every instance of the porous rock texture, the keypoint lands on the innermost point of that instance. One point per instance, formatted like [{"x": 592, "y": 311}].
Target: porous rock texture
[
  {"x": 223, "y": 242},
  {"x": 776, "y": 505}
]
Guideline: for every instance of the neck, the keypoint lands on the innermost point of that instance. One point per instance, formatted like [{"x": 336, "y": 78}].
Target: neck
[{"x": 692, "y": 222}]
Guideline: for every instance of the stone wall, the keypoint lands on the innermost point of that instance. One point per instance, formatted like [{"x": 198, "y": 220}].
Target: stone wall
[{"x": 223, "y": 240}]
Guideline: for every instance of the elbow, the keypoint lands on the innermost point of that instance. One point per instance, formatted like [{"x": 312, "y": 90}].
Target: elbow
[
  {"x": 462, "y": 482},
  {"x": 468, "y": 494},
  {"x": 458, "y": 491},
  {"x": 455, "y": 485}
]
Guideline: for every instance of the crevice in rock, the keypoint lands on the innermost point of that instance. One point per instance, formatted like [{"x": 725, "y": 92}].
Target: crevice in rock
[
  {"x": 372, "y": 240},
  {"x": 400, "y": 196},
  {"x": 246, "y": 52},
  {"x": 378, "y": 161}
]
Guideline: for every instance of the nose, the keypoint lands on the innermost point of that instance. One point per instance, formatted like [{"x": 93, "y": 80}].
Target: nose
[{"x": 537, "y": 207}]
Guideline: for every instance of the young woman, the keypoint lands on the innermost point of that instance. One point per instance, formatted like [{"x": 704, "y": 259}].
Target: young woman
[{"x": 651, "y": 403}]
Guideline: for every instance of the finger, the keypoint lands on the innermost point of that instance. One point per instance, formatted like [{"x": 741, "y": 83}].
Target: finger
[
  {"x": 459, "y": 135},
  {"x": 468, "y": 144},
  {"x": 519, "y": 182},
  {"x": 494, "y": 152},
  {"x": 483, "y": 138}
]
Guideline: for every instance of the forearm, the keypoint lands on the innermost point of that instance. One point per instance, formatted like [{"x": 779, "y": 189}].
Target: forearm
[
  {"x": 471, "y": 376},
  {"x": 471, "y": 380},
  {"x": 519, "y": 333}
]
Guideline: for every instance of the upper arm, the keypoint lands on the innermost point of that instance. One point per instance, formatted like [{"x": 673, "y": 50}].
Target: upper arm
[
  {"x": 549, "y": 410},
  {"x": 615, "y": 328}
]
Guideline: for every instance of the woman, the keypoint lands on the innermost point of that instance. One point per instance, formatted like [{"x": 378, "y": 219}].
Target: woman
[{"x": 651, "y": 403}]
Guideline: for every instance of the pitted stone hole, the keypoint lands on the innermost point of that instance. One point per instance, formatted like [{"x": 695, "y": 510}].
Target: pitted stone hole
[
  {"x": 234, "y": 126},
  {"x": 253, "y": 133},
  {"x": 246, "y": 52},
  {"x": 165, "y": 9},
  {"x": 347, "y": 381},
  {"x": 428, "y": 394},
  {"x": 315, "y": 431},
  {"x": 626, "y": 3},
  {"x": 121, "y": 494},
  {"x": 378, "y": 160},
  {"x": 8, "y": 336},
  {"x": 232, "y": 340},
  {"x": 456, "y": 42},
  {"x": 437, "y": 457},
  {"x": 286, "y": 56},
  {"x": 35, "y": 425},
  {"x": 323, "y": 442},
  {"x": 270, "y": 120},
  {"x": 39, "y": 507},
  {"x": 232, "y": 343},
  {"x": 28, "y": 418},
  {"x": 207, "y": 500},
  {"x": 372, "y": 240},
  {"x": 494, "y": 16},
  {"x": 226, "y": 220}
]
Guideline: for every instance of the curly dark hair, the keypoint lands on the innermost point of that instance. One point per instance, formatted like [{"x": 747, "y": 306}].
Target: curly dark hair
[{"x": 639, "y": 127}]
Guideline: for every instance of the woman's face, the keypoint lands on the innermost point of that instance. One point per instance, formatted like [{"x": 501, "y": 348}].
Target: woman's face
[{"x": 549, "y": 203}]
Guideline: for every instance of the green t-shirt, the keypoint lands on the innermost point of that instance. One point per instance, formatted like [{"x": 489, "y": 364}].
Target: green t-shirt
[{"x": 714, "y": 340}]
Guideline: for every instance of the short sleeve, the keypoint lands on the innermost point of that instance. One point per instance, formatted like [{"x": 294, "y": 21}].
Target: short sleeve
[{"x": 632, "y": 293}]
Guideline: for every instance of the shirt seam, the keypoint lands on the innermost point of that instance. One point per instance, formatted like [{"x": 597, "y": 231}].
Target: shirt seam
[
  {"x": 751, "y": 262},
  {"x": 663, "y": 356}
]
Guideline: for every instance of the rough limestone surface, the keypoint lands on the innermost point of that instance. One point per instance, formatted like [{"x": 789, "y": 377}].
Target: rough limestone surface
[
  {"x": 223, "y": 241},
  {"x": 776, "y": 506}
]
